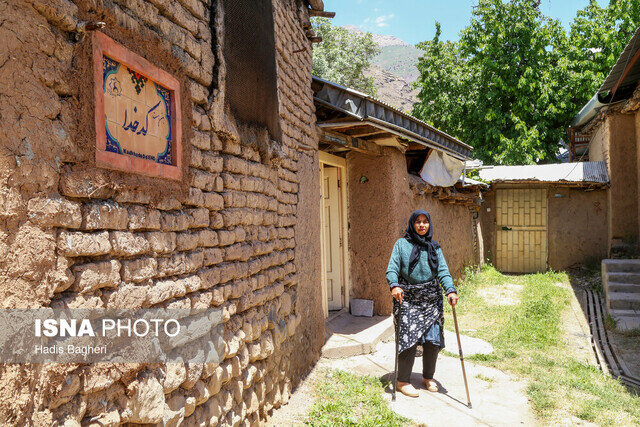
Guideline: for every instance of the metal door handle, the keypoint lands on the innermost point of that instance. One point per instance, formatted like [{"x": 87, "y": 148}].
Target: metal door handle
[{"x": 505, "y": 228}]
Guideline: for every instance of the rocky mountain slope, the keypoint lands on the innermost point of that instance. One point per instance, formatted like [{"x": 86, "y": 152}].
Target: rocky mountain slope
[
  {"x": 392, "y": 89},
  {"x": 393, "y": 70}
]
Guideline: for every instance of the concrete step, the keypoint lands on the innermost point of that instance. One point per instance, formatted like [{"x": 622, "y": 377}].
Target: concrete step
[
  {"x": 623, "y": 300},
  {"x": 621, "y": 265},
  {"x": 623, "y": 287},
  {"x": 623, "y": 277},
  {"x": 626, "y": 319},
  {"x": 348, "y": 335}
]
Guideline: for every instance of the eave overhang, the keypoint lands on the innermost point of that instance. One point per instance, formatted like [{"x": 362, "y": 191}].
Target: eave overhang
[{"x": 358, "y": 110}]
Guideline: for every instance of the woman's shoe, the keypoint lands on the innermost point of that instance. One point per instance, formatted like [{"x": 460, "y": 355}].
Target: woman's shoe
[
  {"x": 407, "y": 389},
  {"x": 430, "y": 384}
]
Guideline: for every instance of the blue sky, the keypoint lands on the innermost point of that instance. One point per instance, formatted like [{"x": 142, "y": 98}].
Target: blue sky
[{"x": 414, "y": 20}]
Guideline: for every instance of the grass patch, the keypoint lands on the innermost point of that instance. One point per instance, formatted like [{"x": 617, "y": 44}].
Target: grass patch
[
  {"x": 528, "y": 342},
  {"x": 485, "y": 378},
  {"x": 347, "y": 399},
  {"x": 610, "y": 323}
]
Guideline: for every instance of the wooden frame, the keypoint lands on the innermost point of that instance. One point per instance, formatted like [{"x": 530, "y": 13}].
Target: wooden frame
[
  {"x": 341, "y": 164},
  {"x": 103, "y": 45}
]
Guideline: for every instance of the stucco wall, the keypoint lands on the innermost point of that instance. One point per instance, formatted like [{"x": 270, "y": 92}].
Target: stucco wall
[
  {"x": 377, "y": 211},
  {"x": 577, "y": 226},
  {"x": 453, "y": 229},
  {"x": 488, "y": 225},
  {"x": 225, "y": 237},
  {"x": 599, "y": 144},
  {"x": 577, "y": 231},
  {"x": 623, "y": 194}
]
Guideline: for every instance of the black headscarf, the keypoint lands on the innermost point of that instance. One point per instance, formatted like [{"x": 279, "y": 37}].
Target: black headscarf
[{"x": 421, "y": 243}]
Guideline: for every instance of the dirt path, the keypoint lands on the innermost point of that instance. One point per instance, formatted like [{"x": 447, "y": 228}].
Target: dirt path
[{"x": 497, "y": 398}]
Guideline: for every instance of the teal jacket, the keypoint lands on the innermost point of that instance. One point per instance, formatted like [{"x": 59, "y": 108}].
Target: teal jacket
[{"x": 399, "y": 266}]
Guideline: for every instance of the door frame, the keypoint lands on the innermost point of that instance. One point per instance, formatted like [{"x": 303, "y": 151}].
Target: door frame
[{"x": 340, "y": 163}]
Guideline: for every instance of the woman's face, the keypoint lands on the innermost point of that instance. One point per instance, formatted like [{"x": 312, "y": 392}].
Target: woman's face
[{"x": 421, "y": 225}]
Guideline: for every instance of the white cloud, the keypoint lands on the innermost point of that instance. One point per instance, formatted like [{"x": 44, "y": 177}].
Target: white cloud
[{"x": 381, "y": 21}]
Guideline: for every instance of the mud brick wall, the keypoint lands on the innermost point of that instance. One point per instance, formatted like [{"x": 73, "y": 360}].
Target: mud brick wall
[{"x": 242, "y": 232}]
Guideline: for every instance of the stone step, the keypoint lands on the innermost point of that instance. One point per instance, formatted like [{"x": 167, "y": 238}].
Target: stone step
[
  {"x": 626, "y": 319},
  {"x": 348, "y": 335},
  {"x": 621, "y": 265},
  {"x": 623, "y": 277},
  {"x": 623, "y": 287},
  {"x": 624, "y": 300}
]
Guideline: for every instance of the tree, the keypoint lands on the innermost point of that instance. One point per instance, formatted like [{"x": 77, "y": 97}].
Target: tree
[
  {"x": 499, "y": 83},
  {"x": 343, "y": 56},
  {"x": 446, "y": 83},
  {"x": 596, "y": 39}
]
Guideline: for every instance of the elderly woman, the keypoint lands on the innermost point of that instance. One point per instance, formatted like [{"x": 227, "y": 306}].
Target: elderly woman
[{"x": 415, "y": 268}]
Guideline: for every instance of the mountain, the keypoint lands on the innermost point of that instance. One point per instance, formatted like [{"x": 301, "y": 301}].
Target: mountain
[
  {"x": 396, "y": 56},
  {"x": 400, "y": 60},
  {"x": 392, "y": 89},
  {"x": 382, "y": 41},
  {"x": 393, "y": 70}
]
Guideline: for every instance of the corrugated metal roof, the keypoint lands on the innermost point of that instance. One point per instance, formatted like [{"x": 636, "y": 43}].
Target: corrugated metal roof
[
  {"x": 368, "y": 109},
  {"x": 584, "y": 172},
  {"x": 625, "y": 57},
  {"x": 465, "y": 180}
]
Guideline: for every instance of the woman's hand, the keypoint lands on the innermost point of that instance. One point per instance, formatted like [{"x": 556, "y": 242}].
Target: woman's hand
[
  {"x": 397, "y": 293},
  {"x": 453, "y": 299}
]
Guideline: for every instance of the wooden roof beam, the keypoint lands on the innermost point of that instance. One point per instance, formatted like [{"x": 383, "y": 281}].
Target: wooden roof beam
[
  {"x": 349, "y": 143},
  {"x": 321, "y": 13}
]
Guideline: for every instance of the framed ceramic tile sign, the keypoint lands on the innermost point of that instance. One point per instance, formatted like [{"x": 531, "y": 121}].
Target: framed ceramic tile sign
[{"x": 138, "y": 116}]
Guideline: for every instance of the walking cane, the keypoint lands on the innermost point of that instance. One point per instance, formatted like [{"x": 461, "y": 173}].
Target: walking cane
[
  {"x": 396, "y": 323},
  {"x": 464, "y": 374}
]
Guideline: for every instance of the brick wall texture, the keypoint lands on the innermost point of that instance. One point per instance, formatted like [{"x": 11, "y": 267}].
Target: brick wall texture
[{"x": 70, "y": 238}]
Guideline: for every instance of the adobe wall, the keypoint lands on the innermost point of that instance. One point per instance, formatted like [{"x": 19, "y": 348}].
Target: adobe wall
[
  {"x": 623, "y": 194},
  {"x": 226, "y": 237},
  {"x": 599, "y": 143},
  {"x": 453, "y": 229},
  {"x": 378, "y": 200},
  {"x": 637, "y": 120},
  {"x": 577, "y": 226}
]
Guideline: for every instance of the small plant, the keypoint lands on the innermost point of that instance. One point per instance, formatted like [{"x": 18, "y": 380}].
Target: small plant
[
  {"x": 610, "y": 323},
  {"x": 630, "y": 332},
  {"x": 485, "y": 378}
]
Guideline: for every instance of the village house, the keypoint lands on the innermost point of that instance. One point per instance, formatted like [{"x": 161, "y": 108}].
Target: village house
[
  {"x": 367, "y": 151},
  {"x": 607, "y": 130},
  {"x": 537, "y": 217},
  {"x": 167, "y": 158},
  {"x": 165, "y": 154}
]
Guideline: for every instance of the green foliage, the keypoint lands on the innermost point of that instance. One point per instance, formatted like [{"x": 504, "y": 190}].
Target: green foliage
[
  {"x": 343, "y": 56},
  {"x": 512, "y": 83}
]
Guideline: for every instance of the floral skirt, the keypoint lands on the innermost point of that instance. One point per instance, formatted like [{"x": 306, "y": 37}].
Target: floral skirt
[{"x": 421, "y": 308}]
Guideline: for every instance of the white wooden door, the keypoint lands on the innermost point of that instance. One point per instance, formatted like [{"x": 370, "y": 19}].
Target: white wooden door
[{"x": 332, "y": 229}]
